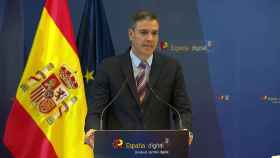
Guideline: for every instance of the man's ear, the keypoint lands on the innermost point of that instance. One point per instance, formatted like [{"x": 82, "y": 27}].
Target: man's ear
[{"x": 130, "y": 34}]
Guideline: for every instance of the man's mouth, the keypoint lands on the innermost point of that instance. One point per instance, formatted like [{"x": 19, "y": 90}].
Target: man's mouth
[{"x": 148, "y": 46}]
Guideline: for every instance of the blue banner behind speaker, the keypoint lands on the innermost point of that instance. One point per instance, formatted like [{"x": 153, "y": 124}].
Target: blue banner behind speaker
[{"x": 244, "y": 70}]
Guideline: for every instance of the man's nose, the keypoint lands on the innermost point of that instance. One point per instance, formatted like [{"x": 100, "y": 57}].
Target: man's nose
[{"x": 150, "y": 36}]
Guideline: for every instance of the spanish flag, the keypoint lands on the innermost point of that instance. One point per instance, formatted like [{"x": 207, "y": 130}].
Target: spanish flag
[{"x": 49, "y": 110}]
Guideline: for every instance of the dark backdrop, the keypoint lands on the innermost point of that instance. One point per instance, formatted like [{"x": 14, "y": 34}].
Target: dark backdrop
[{"x": 233, "y": 79}]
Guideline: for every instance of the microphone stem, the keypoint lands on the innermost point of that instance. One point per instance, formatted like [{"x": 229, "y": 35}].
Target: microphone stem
[
  {"x": 110, "y": 103},
  {"x": 169, "y": 105}
]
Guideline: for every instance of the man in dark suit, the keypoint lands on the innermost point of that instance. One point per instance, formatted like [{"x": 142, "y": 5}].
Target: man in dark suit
[{"x": 141, "y": 84}]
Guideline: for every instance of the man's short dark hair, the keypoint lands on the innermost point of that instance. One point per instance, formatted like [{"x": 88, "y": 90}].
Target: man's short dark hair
[{"x": 142, "y": 15}]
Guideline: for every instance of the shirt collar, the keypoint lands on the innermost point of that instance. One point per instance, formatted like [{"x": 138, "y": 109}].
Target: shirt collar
[{"x": 136, "y": 60}]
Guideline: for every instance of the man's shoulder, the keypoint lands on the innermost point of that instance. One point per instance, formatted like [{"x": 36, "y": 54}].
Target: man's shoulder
[
  {"x": 114, "y": 59},
  {"x": 113, "y": 62},
  {"x": 166, "y": 59}
]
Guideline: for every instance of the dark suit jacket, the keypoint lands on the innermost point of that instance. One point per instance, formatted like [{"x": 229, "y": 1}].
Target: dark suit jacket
[{"x": 166, "y": 79}]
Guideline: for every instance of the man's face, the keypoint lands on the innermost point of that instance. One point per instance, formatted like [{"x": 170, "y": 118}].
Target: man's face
[{"x": 144, "y": 37}]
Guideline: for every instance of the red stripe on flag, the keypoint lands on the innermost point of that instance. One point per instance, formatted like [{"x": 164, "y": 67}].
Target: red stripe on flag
[
  {"x": 24, "y": 138},
  {"x": 58, "y": 10}
]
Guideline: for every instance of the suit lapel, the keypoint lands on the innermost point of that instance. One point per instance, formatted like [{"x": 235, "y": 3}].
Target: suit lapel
[
  {"x": 127, "y": 69},
  {"x": 156, "y": 69}
]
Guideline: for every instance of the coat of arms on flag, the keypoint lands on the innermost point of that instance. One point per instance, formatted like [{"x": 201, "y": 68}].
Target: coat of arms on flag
[{"x": 49, "y": 90}]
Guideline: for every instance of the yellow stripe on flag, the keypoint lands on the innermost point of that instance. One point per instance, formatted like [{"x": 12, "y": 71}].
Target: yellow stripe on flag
[{"x": 64, "y": 124}]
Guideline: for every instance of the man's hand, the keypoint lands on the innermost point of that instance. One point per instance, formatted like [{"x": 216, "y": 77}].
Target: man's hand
[
  {"x": 190, "y": 137},
  {"x": 89, "y": 138}
]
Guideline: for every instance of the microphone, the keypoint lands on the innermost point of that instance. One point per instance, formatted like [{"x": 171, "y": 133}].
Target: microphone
[
  {"x": 111, "y": 102},
  {"x": 166, "y": 103}
]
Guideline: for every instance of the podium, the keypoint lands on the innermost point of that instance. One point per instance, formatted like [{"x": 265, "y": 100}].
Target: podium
[{"x": 141, "y": 144}]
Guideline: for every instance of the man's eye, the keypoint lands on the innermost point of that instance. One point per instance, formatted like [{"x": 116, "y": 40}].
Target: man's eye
[
  {"x": 143, "y": 32},
  {"x": 155, "y": 33}
]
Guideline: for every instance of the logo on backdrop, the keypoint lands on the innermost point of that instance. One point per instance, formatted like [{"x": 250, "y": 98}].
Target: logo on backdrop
[
  {"x": 186, "y": 47},
  {"x": 270, "y": 99},
  {"x": 49, "y": 91},
  {"x": 223, "y": 98}
]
